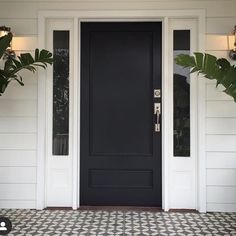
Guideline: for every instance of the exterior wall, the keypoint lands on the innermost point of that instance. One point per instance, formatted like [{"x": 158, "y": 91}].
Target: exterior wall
[
  {"x": 18, "y": 127},
  {"x": 220, "y": 139},
  {"x": 18, "y": 117}
]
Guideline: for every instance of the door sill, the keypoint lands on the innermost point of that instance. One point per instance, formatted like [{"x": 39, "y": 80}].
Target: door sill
[
  {"x": 184, "y": 210},
  {"x": 58, "y": 208},
  {"x": 120, "y": 208}
]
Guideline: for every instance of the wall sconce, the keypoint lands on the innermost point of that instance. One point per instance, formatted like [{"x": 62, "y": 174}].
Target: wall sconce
[
  {"x": 9, "y": 53},
  {"x": 232, "y": 52},
  {"x": 4, "y": 30}
]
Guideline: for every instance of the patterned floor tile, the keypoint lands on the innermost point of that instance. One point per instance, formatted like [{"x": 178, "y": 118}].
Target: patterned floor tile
[{"x": 114, "y": 223}]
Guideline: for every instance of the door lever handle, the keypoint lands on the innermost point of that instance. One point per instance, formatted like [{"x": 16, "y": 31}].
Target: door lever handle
[{"x": 157, "y": 112}]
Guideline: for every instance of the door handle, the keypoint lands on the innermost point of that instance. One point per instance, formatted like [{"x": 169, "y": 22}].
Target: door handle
[{"x": 157, "y": 112}]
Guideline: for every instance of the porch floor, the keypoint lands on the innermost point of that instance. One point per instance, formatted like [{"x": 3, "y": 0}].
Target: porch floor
[{"x": 114, "y": 222}]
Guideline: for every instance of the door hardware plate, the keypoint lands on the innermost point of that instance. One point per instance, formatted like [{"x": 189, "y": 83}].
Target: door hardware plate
[
  {"x": 157, "y": 111},
  {"x": 157, "y": 93}
]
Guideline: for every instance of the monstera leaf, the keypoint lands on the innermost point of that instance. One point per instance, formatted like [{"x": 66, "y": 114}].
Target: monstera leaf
[
  {"x": 212, "y": 68},
  {"x": 13, "y": 65}
]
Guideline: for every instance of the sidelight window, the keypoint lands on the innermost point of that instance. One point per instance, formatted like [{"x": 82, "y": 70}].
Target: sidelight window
[
  {"x": 181, "y": 98},
  {"x": 60, "y": 134}
]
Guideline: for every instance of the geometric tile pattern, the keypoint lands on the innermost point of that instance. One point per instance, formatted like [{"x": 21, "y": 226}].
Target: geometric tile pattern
[{"x": 95, "y": 223}]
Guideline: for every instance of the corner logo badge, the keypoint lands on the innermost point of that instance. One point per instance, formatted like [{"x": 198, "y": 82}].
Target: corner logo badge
[{"x": 5, "y": 225}]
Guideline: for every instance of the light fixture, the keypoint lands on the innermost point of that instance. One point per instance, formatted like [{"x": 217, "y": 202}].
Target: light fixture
[
  {"x": 4, "y": 30},
  {"x": 9, "y": 53},
  {"x": 232, "y": 52}
]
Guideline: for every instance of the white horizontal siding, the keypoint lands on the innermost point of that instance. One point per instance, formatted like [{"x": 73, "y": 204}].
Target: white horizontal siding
[
  {"x": 18, "y": 129},
  {"x": 18, "y": 124},
  {"x": 221, "y": 194},
  {"x": 16, "y": 91},
  {"x": 219, "y": 207},
  {"x": 20, "y": 204},
  {"x": 29, "y": 78},
  {"x": 17, "y": 175},
  {"x": 12, "y": 158},
  {"x": 30, "y": 11},
  {"x": 221, "y": 160},
  {"x": 14, "y": 107},
  {"x": 221, "y": 143},
  {"x": 14, "y": 173},
  {"x": 220, "y": 109},
  {"x": 220, "y": 129},
  {"x": 219, "y": 25},
  {"x": 23, "y": 192},
  {"x": 216, "y": 93},
  {"x": 18, "y": 141},
  {"x": 221, "y": 177},
  {"x": 221, "y": 125},
  {"x": 21, "y": 26}
]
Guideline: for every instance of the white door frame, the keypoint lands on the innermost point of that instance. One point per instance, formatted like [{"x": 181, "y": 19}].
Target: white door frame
[{"x": 136, "y": 15}]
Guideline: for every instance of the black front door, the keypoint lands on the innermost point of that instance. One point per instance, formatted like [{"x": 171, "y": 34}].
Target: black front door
[{"x": 120, "y": 149}]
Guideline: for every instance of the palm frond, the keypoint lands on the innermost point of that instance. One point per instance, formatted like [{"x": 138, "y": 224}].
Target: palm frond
[
  {"x": 212, "y": 68},
  {"x": 25, "y": 61}
]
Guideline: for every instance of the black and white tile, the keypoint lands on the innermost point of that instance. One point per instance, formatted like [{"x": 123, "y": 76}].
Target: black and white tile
[{"x": 91, "y": 223}]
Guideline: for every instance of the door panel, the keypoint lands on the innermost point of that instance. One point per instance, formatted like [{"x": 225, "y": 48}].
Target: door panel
[{"x": 120, "y": 150}]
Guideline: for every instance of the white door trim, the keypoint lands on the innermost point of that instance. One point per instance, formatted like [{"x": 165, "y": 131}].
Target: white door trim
[{"x": 135, "y": 15}]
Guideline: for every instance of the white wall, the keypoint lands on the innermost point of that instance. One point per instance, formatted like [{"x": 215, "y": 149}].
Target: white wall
[
  {"x": 18, "y": 116},
  {"x": 220, "y": 139},
  {"x": 18, "y": 127}
]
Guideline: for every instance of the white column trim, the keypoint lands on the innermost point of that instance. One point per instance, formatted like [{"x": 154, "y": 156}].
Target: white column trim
[
  {"x": 165, "y": 117},
  {"x": 41, "y": 149},
  {"x": 202, "y": 198}
]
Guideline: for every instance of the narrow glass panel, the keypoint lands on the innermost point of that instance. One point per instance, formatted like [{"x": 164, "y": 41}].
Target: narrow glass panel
[
  {"x": 60, "y": 137},
  {"x": 181, "y": 96}
]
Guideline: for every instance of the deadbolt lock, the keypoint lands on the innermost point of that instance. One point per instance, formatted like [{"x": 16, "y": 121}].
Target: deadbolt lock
[{"x": 157, "y": 93}]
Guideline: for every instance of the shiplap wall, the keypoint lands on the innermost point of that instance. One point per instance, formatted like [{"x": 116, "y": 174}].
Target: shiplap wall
[
  {"x": 18, "y": 116},
  {"x": 18, "y": 127},
  {"x": 220, "y": 138}
]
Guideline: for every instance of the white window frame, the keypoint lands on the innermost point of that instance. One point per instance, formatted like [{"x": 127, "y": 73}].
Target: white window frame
[
  {"x": 66, "y": 160},
  {"x": 133, "y": 15},
  {"x": 183, "y": 166}
]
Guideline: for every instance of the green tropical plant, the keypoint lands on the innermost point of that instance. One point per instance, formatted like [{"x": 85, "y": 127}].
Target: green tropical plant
[
  {"x": 12, "y": 65},
  {"x": 212, "y": 68}
]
